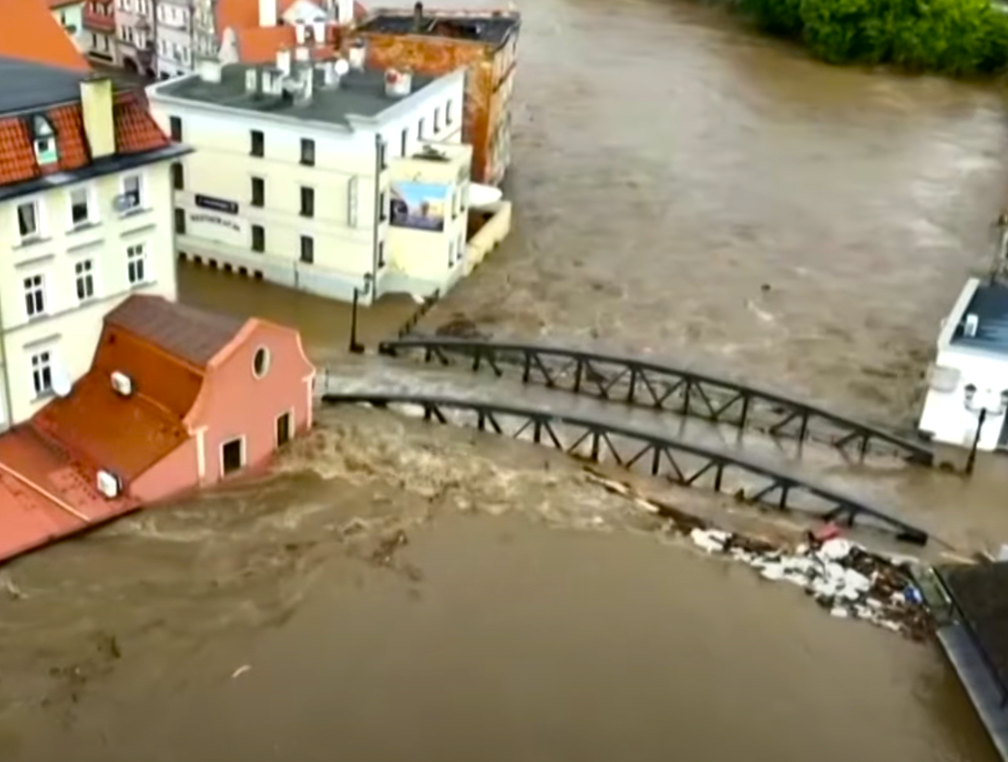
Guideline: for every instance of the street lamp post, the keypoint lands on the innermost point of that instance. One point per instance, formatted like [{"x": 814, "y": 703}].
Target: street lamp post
[
  {"x": 982, "y": 411},
  {"x": 355, "y": 347}
]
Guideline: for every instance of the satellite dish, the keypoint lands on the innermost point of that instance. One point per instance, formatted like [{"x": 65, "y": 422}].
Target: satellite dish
[
  {"x": 121, "y": 203},
  {"x": 483, "y": 195},
  {"x": 61, "y": 384},
  {"x": 341, "y": 67}
]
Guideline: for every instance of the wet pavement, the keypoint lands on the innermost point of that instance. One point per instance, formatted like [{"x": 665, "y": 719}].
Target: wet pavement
[{"x": 685, "y": 189}]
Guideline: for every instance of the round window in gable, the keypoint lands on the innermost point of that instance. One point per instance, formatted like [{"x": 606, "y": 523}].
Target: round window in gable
[{"x": 261, "y": 362}]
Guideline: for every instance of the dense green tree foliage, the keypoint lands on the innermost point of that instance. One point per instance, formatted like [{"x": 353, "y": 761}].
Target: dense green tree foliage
[{"x": 957, "y": 37}]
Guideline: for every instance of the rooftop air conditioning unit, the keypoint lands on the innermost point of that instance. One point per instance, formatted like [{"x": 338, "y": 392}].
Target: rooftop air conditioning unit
[
  {"x": 108, "y": 484},
  {"x": 122, "y": 383}
]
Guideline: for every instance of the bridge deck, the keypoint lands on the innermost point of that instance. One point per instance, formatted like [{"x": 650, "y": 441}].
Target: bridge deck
[
  {"x": 688, "y": 464},
  {"x": 664, "y": 387}
]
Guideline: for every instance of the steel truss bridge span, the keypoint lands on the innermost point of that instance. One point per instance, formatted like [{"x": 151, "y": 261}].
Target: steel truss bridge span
[
  {"x": 663, "y": 387},
  {"x": 679, "y": 462}
]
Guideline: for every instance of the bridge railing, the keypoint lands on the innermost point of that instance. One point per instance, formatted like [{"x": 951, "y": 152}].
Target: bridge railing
[
  {"x": 665, "y": 387},
  {"x": 680, "y": 462}
]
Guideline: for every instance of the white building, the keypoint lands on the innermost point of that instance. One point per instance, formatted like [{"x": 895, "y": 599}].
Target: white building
[
  {"x": 85, "y": 204},
  {"x": 320, "y": 181},
  {"x": 969, "y": 379}
]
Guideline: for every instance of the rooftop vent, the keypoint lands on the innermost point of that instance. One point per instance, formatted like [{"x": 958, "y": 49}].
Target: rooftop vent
[
  {"x": 398, "y": 84},
  {"x": 108, "y": 484},
  {"x": 971, "y": 326},
  {"x": 122, "y": 383}
]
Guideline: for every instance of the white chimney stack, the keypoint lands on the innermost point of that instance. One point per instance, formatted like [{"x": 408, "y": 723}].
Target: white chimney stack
[
  {"x": 210, "y": 70},
  {"x": 357, "y": 54},
  {"x": 283, "y": 61},
  {"x": 398, "y": 83},
  {"x": 300, "y": 33},
  {"x": 302, "y": 54},
  {"x": 344, "y": 12},
  {"x": 267, "y": 12},
  {"x": 319, "y": 32}
]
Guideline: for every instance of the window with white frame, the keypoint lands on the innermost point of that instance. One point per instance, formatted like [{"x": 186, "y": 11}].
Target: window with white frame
[
  {"x": 28, "y": 219},
  {"x": 84, "y": 276},
  {"x": 79, "y": 211},
  {"x": 132, "y": 194},
  {"x": 136, "y": 264},
  {"x": 41, "y": 367},
  {"x": 34, "y": 293}
]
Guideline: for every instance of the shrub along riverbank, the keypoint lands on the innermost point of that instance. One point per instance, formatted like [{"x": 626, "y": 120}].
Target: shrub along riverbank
[{"x": 957, "y": 37}]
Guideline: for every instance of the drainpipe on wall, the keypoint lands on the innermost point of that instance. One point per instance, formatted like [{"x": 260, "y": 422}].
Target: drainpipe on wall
[{"x": 380, "y": 148}]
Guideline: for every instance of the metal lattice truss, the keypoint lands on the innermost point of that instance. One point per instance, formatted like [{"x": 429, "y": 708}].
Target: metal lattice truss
[
  {"x": 679, "y": 462},
  {"x": 663, "y": 387}
]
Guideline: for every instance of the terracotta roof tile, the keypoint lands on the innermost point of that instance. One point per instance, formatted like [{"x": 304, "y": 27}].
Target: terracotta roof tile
[
  {"x": 45, "y": 494},
  {"x": 163, "y": 348},
  {"x": 136, "y": 132},
  {"x": 30, "y": 33},
  {"x": 260, "y": 44},
  {"x": 124, "y": 435},
  {"x": 190, "y": 334}
]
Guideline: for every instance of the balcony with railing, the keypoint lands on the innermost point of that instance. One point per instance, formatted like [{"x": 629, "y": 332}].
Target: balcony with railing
[{"x": 99, "y": 16}]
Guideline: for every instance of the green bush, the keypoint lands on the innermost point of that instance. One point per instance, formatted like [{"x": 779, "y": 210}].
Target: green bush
[{"x": 956, "y": 37}]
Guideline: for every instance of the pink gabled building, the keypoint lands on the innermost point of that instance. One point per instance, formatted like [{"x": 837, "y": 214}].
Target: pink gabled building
[{"x": 176, "y": 398}]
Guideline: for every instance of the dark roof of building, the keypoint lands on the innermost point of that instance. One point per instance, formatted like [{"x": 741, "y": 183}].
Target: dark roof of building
[
  {"x": 990, "y": 306},
  {"x": 35, "y": 90},
  {"x": 189, "y": 333},
  {"x": 980, "y": 592},
  {"x": 492, "y": 28},
  {"x": 30, "y": 85},
  {"x": 360, "y": 94}
]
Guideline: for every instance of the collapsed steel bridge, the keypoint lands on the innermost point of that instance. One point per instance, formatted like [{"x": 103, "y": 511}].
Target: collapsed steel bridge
[
  {"x": 679, "y": 462},
  {"x": 663, "y": 387}
]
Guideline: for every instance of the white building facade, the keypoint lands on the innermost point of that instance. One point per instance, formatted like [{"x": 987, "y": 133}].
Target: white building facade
[
  {"x": 73, "y": 245},
  {"x": 317, "y": 181},
  {"x": 968, "y": 383},
  {"x": 174, "y": 39}
]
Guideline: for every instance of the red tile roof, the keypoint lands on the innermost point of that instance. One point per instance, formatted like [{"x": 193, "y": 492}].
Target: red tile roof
[
  {"x": 136, "y": 132},
  {"x": 260, "y": 44},
  {"x": 45, "y": 494},
  {"x": 164, "y": 348},
  {"x": 29, "y": 32}
]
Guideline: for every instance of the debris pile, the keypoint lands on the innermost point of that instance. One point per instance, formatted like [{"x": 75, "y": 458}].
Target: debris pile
[{"x": 841, "y": 576}]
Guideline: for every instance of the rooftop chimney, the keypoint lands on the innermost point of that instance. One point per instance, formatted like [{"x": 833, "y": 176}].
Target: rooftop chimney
[
  {"x": 418, "y": 16},
  {"x": 267, "y": 12},
  {"x": 96, "y": 107},
  {"x": 307, "y": 86},
  {"x": 398, "y": 84},
  {"x": 251, "y": 81},
  {"x": 344, "y": 12},
  {"x": 302, "y": 54},
  {"x": 209, "y": 70},
  {"x": 283, "y": 61},
  {"x": 357, "y": 55}
]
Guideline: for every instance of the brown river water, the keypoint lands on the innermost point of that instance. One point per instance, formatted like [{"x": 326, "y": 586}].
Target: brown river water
[{"x": 669, "y": 165}]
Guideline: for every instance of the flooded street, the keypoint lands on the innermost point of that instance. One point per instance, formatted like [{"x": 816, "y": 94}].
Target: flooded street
[{"x": 683, "y": 188}]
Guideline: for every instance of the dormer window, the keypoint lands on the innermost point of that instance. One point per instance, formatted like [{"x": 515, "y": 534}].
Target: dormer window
[{"x": 44, "y": 140}]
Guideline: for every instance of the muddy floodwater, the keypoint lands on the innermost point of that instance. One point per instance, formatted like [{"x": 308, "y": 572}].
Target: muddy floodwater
[{"x": 684, "y": 188}]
